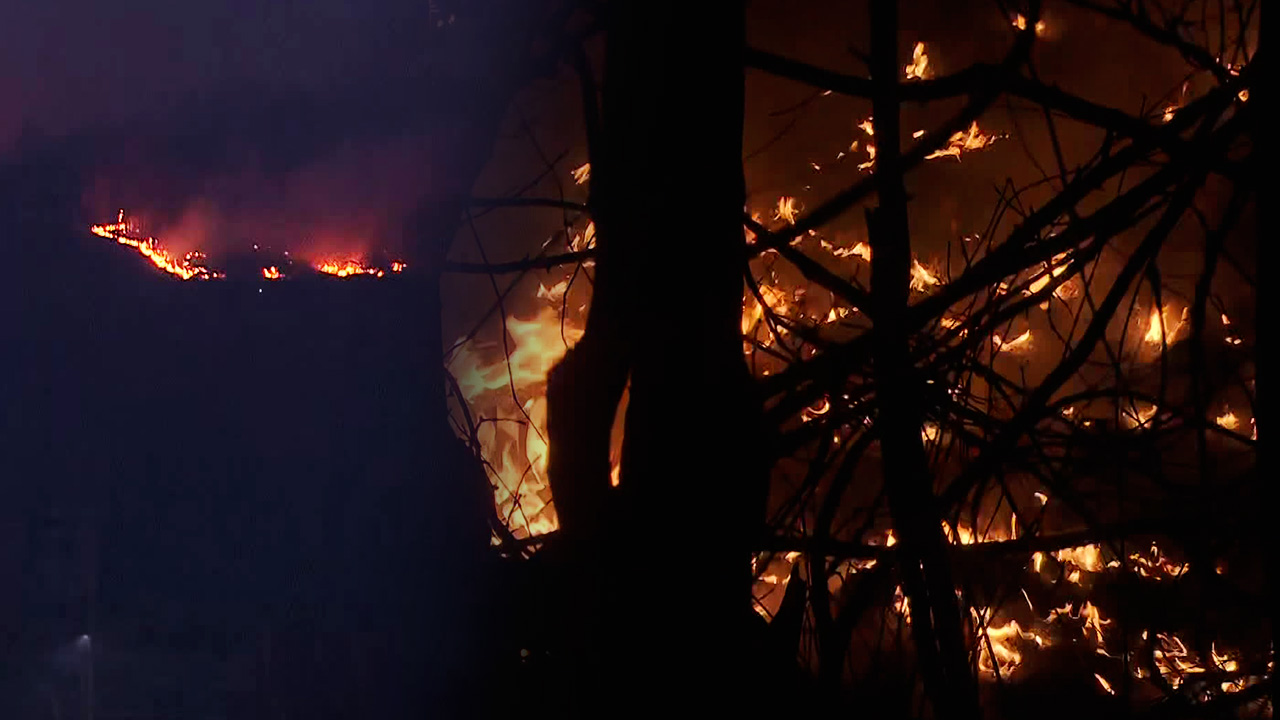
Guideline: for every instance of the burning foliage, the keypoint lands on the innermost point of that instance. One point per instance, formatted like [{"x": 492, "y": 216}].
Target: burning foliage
[{"x": 1038, "y": 395}]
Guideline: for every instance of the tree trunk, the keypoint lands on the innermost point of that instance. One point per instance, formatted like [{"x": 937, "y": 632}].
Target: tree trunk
[
  {"x": 936, "y": 623},
  {"x": 665, "y": 314}
]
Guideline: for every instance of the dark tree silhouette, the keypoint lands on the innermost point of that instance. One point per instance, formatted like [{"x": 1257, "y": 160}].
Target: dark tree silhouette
[{"x": 904, "y": 407}]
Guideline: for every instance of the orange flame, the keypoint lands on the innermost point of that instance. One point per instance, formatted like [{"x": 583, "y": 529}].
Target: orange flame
[
  {"x": 963, "y": 141},
  {"x": 150, "y": 248},
  {"x": 919, "y": 63},
  {"x": 347, "y": 268}
]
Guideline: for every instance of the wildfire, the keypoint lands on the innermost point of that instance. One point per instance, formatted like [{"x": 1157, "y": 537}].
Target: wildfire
[
  {"x": 787, "y": 210},
  {"x": 999, "y": 645},
  {"x": 513, "y": 435},
  {"x": 1137, "y": 417},
  {"x": 919, "y": 63},
  {"x": 1085, "y": 557},
  {"x": 921, "y": 277},
  {"x": 929, "y": 433},
  {"x": 1154, "y": 565},
  {"x": 1052, "y": 270},
  {"x": 1020, "y": 22},
  {"x": 191, "y": 266},
  {"x": 1231, "y": 338},
  {"x": 1021, "y": 342},
  {"x": 347, "y": 268},
  {"x": 963, "y": 141},
  {"x": 871, "y": 158},
  {"x": 507, "y": 395},
  {"x": 123, "y": 232},
  {"x": 1161, "y": 329}
]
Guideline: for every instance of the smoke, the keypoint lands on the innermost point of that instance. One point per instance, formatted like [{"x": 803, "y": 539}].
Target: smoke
[{"x": 315, "y": 126}]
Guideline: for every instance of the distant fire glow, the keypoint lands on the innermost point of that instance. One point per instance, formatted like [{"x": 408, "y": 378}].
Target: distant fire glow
[
  {"x": 125, "y": 233},
  {"x": 193, "y": 265}
]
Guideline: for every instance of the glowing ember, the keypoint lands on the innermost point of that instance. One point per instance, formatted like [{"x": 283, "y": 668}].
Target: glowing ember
[
  {"x": 582, "y": 174},
  {"x": 192, "y": 267},
  {"x": 1085, "y": 557},
  {"x": 1227, "y": 420}
]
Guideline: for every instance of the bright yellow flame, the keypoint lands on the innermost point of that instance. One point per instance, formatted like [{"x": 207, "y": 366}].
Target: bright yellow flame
[
  {"x": 582, "y": 173},
  {"x": 515, "y": 446},
  {"x": 963, "y": 141},
  {"x": 1084, "y": 557},
  {"x": 921, "y": 277},
  {"x": 787, "y": 210},
  {"x": 919, "y": 63},
  {"x": 1020, "y": 22},
  {"x": 930, "y": 432},
  {"x": 1161, "y": 327},
  {"x": 871, "y": 158}
]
